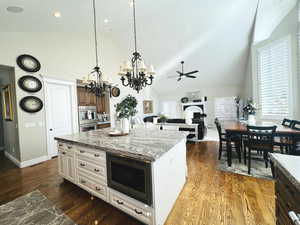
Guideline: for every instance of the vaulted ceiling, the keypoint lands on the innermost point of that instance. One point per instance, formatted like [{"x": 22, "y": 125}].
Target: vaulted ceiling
[{"x": 212, "y": 36}]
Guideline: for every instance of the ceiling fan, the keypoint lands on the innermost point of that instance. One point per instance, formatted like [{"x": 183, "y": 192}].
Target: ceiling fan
[{"x": 183, "y": 74}]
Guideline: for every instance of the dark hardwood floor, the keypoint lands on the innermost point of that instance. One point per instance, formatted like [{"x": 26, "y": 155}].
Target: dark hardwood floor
[
  {"x": 5, "y": 164},
  {"x": 210, "y": 197}
]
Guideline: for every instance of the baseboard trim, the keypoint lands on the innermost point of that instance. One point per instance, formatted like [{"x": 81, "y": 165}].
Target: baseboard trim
[
  {"x": 13, "y": 159},
  {"x": 27, "y": 163},
  {"x": 32, "y": 162}
]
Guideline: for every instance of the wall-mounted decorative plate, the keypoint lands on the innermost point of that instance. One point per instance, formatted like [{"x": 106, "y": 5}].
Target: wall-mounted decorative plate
[
  {"x": 115, "y": 92},
  {"x": 30, "y": 84},
  {"x": 31, "y": 104},
  {"x": 28, "y": 63}
]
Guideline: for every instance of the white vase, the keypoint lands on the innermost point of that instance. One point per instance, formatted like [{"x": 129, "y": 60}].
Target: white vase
[
  {"x": 251, "y": 119},
  {"x": 125, "y": 125}
]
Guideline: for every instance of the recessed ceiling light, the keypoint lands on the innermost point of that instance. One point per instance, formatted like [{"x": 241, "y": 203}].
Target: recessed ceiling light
[
  {"x": 14, "y": 9},
  {"x": 106, "y": 20},
  {"x": 57, "y": 14}
]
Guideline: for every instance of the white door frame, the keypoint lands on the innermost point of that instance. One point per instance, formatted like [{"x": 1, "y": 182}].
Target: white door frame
[{"x": 74, "y": 107}]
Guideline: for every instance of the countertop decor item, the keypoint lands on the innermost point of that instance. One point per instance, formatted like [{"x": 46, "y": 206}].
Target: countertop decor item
[
  {"x": 115, "y": 92},
  {"x": 97, "y": 85},
  {"x": 125, "y": 110},
  {"x": 31, "y": 104},
  {"x": 7, "y": 103},
  {"x": 28, "y": 63},
  {"x": 30, "y": 84},
  {"x": 117, "y": 133},
  {"x": 134, "y": 73}
]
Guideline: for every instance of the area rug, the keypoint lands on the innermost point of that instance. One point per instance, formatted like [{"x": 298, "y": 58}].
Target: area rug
[
  {"x": 258, "y": 168},
  {"x": 32, "y": 209}
]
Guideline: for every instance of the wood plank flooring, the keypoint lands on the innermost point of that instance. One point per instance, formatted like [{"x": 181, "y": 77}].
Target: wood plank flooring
[{"x": 210, "y": 197}]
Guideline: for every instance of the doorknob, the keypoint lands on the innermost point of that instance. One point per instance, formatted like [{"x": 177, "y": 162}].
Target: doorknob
[{"x": 51, "y": 129}]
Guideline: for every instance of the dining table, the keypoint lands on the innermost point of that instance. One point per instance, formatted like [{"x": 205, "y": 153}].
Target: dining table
[{"x": 236, "y": 127}]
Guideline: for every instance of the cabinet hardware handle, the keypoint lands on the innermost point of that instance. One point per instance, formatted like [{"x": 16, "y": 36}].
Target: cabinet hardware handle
[
  {"x": 98, "y": 189},
  {"x": 60, "y": 145},
  {"x": 82, "y": 164},
  {"x": 97, "y": 155},
  {"x": 63, "y": 153},
  {"x": 82, "y": 151},
  {"x": 97, "y": 170},
  {"x": 138, "y": 212},
  {"x": 120, "y": 203},
  {"x": 69, "y": 147},
  {"x": 83, "y": 181}
]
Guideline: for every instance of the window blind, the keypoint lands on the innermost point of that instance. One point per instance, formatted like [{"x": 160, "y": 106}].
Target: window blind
[{"x": 274, "y": 62}]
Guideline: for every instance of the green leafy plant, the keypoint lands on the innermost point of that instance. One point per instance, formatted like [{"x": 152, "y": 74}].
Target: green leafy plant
[
  {"x": 163, "y": 118},
  {"x": 126, "y": 108}
]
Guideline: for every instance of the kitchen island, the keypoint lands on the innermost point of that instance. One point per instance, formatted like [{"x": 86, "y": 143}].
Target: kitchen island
[{"x": 141, "y": 174}]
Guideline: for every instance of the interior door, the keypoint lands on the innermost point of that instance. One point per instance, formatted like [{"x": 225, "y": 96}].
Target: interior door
[{"x": 59, "y": 114}]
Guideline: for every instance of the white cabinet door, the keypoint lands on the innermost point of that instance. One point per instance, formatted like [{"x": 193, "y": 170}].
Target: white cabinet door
[{"x": 70, "y": 168}]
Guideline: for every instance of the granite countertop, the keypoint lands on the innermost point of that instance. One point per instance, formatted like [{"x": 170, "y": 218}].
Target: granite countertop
[
  {"x": 142, "y": 144},
  {"x": 289, "y": 165}
]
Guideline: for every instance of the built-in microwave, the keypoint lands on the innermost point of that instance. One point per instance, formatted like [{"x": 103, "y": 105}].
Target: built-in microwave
[{"x": 130, "y": 177}]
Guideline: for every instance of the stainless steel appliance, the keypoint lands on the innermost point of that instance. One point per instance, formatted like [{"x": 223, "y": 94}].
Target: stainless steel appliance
[
  {"x": 88, "y": 118},
  {"x": 130, "y": 177}
]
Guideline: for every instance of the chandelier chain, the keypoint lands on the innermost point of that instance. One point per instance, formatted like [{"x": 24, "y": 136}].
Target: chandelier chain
[
  {"x": 134, "y": 25},
  {"x": 95, "y": 33}
]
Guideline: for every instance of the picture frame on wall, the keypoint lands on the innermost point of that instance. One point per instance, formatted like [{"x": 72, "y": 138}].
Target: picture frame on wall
[
  {"x": 148, "y": 107},
  {"x": 7, "y": 103}
]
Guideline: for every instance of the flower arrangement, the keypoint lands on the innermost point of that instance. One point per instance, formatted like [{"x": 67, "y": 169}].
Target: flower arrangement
[
  {"x": 250, "y": 108},
  {"x": 126, "y": 108}
]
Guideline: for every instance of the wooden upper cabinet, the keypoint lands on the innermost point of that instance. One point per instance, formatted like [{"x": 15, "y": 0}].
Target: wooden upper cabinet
[{"x": 86, "y": 98}]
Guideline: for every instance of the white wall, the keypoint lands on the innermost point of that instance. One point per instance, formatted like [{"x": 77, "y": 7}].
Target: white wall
[
  {"x": 66, "y": 56},
  {"x": 287, "y": 27},
  {"x": 210, "y": 92}
]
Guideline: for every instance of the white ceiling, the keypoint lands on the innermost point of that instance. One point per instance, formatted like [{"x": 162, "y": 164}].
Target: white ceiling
[{"x": 210, "y": 35}]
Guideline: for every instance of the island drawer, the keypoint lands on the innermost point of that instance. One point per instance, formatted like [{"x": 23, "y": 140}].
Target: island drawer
[
  {"x": 96, "y": 156},
  {"x": 98, "y": 170},
  {"x": 93, "y": 187},
  {"x": 65, "y": 146},
  {"x": 65, "y": 152},
  {"x": 130, "y": 206}
]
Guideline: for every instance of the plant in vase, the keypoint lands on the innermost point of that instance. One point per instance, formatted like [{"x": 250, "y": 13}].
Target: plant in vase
[
  {"x": 163, "y": 118},
  {"x": 125, "y": 110},
  {"x": 250, "y": 110}
]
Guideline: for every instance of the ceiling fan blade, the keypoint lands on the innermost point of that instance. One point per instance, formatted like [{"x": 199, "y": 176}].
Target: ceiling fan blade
[
  {"x": 179, "y": 79},
  {"x": 191, "y": 76},
  {"x": 196, "y": 71},
  {"x": 180, "y": 73}
]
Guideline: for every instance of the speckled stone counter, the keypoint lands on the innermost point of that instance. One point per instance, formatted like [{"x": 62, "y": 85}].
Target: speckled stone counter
[
  {"x": 142, "y": 143},
  {"x": 289, "y": 165}
]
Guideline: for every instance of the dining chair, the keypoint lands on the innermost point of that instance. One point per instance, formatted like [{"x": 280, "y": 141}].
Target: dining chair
[
  {"x": 259, "y": 139},
  {"x": 224, "y": 139},
  {"x": 296, "y": 125},
  {"x": 283, "y": 141}
]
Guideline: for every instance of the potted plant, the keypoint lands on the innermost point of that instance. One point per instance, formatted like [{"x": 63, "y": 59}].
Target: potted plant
[
  {"x": 250, "y": 110},
  {"x": 125, "y": 110},
  {"x": 163, "y": 118}
]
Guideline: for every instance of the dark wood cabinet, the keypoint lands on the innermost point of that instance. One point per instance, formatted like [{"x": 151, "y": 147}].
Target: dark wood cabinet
[
  {"x": 287, "y": 198},
  {"x": 86, "y": 98}
]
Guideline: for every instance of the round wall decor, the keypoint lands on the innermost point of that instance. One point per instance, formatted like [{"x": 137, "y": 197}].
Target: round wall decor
[
  {"x": 115, "y": 92},
  {"x": 31, "y": 104},
  {"x": 28, "y": 63},
  {"x": 184, "y": 100},
  {"x": 30, "y": 84}
]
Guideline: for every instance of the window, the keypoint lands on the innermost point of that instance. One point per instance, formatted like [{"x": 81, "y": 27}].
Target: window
[{"x": 274, "y": 72}]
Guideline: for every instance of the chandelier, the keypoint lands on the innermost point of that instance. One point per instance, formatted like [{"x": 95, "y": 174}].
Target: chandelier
[
  {"x": 134, "y": 73},
  {"x": 97, "y": 86}
]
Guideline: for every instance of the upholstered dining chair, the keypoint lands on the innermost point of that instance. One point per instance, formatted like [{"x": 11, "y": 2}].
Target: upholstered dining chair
[
  {"x": 224, "y": 139},
  {"x": 259, "y": 139}
]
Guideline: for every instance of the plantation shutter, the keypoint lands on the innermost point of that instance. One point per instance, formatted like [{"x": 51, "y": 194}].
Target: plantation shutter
[{"x": 274, "y": 71}]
